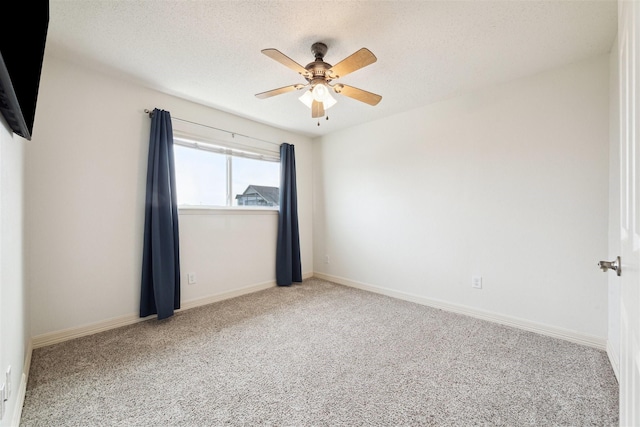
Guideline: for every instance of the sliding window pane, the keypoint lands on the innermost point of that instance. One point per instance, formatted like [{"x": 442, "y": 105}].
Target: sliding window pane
[
  {"x": 255, "y": 182},
  {"x": 201, "y": 177}
]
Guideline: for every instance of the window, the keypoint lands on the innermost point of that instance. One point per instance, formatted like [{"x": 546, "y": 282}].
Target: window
[{"x": 215, "y": 174}]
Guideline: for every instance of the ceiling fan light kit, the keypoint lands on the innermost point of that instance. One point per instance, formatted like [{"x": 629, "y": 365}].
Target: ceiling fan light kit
[
  {"x": 320, "y": 74},
  {"x": 318, "y": 93}
]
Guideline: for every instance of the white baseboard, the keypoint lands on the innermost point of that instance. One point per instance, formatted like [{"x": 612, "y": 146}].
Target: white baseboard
[
  {"x": 568, "y": 335},
  {"x": 22, "y": 388},
  {"x": 614, "y": 359},
  {"x": 51, "y": 338},
  {"x": 515, "y": 322},
  {"x": 186, "y": 305}
]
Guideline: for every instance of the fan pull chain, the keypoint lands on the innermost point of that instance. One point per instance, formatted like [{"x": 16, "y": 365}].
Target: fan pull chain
[{"x": 326, "y": 118}]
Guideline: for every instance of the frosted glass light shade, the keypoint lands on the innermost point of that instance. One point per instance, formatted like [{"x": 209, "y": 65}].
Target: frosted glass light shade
[
  {"x": 329, "y": 101},
  {"x": 320, "y": 92},
  {"x": 311, "y": 95},
  {"x": 306, "y": 98}
]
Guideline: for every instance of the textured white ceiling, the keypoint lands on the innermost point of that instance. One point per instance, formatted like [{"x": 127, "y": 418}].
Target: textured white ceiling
[{"x": 209, "y": 51}]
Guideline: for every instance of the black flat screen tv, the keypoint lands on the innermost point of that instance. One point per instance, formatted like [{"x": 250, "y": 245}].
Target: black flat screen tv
[{"x": 21, "y": 55}]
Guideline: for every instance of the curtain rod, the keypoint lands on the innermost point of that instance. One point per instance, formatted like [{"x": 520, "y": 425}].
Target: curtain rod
[{"x": 233, "y": 134}]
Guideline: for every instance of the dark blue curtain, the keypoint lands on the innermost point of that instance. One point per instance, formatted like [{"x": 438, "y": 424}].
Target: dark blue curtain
[
  {"x": 160, "y": 293},
  {"x": 288, "y": 266}
]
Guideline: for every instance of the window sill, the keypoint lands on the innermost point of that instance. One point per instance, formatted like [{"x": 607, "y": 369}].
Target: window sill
[{"x": 225, "y": 210}]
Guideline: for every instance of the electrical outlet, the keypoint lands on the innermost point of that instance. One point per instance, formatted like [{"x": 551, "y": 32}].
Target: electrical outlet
[
  {"x": 8, "y": 387},
  {"x": 476, "y": 282},
  {"x": 191, "y": 278},
  {"x": 326, "y": 259}
]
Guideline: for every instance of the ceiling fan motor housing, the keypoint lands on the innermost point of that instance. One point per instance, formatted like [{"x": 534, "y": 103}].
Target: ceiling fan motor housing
[{"x": 318, "y": 67}]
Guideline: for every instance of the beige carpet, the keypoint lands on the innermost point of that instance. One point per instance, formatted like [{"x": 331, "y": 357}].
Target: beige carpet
[{"x": 319, "y": 354}]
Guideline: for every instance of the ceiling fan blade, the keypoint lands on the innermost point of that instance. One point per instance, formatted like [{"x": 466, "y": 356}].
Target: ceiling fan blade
[
  {"x": 357, "y": 94},
  {"x": 286, "y": 61},
  {"x": 317, "y": 109},
  {"x": 279, "y": 91},
  {"x": 358, "y": 60}
]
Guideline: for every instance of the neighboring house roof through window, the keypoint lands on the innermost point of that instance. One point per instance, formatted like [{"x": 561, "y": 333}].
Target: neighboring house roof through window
[{"x": 259, "y": 195}]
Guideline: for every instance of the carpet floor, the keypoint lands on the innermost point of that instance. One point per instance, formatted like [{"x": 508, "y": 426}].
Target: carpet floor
[{"x": 319, "y": 354}]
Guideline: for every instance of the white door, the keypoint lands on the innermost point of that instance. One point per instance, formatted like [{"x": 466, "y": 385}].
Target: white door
[{"x": 628, "y": 56}]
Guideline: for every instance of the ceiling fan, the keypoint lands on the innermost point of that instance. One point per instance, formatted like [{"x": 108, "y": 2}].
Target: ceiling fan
[{"x": 319, "y": 76}]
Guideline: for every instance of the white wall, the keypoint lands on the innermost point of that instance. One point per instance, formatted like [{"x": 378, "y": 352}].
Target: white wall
[
  {"x": 613, "y": 335},
  {"x": 510, "y": 183},
  {"x": 14, "y": 309},
  {"x": 85, "y": 185}
]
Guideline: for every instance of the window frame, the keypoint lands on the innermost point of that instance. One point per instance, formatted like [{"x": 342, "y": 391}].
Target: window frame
[{"x": 229, "y": 150}]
